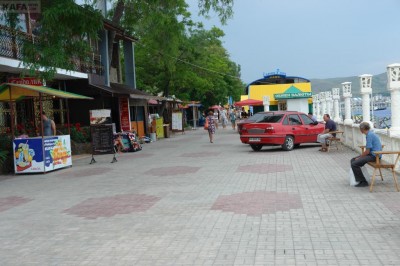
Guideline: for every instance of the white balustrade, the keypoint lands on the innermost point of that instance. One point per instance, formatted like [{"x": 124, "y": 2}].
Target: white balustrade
[
  {"x": 329, "y": 103},
  {"x": 318, "y": 107},
  {"x": 322, "y": 100},
  {"x": 314, "y": 104}
]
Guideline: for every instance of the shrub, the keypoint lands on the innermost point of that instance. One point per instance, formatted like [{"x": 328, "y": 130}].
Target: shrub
[
  {"x": 3, "y": 158},
  {"x": 6, "y": 153},
  {"x": 78, "y": 134}
]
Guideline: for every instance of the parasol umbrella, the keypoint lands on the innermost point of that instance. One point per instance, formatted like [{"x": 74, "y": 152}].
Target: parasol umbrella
[
  {"x": 216, "y": 107},
  {"x": 251, "y": 102}
]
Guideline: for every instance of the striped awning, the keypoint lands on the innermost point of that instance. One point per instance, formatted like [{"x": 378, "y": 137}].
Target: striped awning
[{"x": 15, "y": 92}]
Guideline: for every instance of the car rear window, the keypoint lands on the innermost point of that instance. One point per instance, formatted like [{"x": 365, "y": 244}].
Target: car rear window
[
  {"x": 256, "y": 117},
  {"x": 271, "y": 118}
]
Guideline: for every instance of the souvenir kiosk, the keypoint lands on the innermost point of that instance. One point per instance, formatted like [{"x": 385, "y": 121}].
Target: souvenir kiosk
[{"x": 43, "y": 153}]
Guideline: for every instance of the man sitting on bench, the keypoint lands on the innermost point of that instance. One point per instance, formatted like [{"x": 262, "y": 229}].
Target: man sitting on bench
[
  {"x": 330, "y": 126},
  {"x": 373, "y": 144}
]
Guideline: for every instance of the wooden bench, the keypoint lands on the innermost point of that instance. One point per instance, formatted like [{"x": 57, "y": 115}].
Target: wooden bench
[
  {"x": 334, "y": 141},
  {"x": 379, "y": 164}
]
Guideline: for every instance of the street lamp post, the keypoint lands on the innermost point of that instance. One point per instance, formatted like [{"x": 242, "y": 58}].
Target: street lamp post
[
  {"x": 393, "y": 74},
  {"x": 366, "y": 90},
  {"x": 336, "y": 98},
  {"x": 347, "y": 104},
  {"x": 322, "y": 100}
]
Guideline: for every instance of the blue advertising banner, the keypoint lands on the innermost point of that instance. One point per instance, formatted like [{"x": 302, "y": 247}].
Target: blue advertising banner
[{"x": 28, "y": 155}]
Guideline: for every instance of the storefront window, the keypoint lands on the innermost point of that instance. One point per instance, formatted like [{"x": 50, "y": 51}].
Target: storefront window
[
  {"x": 282, "y": 106},
  {"x": 137, "y": 113}
]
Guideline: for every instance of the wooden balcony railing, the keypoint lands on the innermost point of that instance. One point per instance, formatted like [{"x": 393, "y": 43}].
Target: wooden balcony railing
[{"x": 12, "y": 41}]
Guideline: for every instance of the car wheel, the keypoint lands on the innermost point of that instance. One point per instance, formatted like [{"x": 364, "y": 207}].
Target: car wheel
[
  {"x": 289, "y": 143},
  {"x": 256, "y": 147}
]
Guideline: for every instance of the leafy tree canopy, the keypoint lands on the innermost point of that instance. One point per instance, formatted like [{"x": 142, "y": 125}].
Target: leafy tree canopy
[
  {"x": 178, "y": 57},
  {"x": 174, "y": 55},
  {"x": 63, "y": 33}
]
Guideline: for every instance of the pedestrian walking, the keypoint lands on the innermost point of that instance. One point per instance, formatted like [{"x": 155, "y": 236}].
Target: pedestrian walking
[
  {"x": 210, "y": 125},
  {"x": 232, "y": 117},
  {"x": 224, "y": 118}
]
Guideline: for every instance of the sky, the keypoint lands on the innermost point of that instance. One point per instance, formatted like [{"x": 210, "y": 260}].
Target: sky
[{"x": 310, "y": 38}]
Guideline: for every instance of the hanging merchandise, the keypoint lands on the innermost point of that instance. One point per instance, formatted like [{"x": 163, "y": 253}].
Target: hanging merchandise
[{"x": 126, "y": 142}]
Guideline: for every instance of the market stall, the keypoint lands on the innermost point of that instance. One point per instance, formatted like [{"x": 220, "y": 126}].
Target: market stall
[{"x": 37, "y": 154}]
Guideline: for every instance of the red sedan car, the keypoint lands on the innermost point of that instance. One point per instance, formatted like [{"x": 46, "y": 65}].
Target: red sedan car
[
  {"x": 286, "y": 128},
  {"x": 257, "y": 117}
]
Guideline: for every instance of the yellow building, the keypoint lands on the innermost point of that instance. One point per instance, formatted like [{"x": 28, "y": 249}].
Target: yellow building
[{"x": 285, "y": 92}]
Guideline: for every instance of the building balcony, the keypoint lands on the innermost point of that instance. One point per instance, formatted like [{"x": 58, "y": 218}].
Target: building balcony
[{"x": 11, "y": 43}]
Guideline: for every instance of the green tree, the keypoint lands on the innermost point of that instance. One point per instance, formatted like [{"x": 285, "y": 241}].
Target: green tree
[
  {"x": 178, "y": 57},
  {"x": 141, "y": 9},
  {"x": 63, "y": 33},
  {"x": 174, "y": 55},
  {"x": 160, "y": 34},
  {"x": 211, "y": 76},
  {"x": 66, "y": 27}
]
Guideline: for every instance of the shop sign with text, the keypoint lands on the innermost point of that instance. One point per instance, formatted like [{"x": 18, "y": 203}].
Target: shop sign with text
[
  {"x": 124, "y": 114},
  {"x": 293, "y": 95},
  {"x": 26, "y": 81}
]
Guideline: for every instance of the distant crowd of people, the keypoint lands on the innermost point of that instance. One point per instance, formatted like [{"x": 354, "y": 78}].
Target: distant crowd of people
[{"x": 223, "y": 116}]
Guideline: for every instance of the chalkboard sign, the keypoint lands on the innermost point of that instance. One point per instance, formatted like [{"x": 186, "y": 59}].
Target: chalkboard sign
[
  {"x": 177, "y": 122},
  {"x": 102, "y": 139}
]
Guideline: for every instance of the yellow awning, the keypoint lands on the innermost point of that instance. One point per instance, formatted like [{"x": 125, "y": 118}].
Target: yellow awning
[{"x": 15, "y": 92}]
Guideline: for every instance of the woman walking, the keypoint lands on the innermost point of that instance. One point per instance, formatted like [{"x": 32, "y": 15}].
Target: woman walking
[
  {"x": 211, "y": 125},
  {"x": 232, "y": 116}
]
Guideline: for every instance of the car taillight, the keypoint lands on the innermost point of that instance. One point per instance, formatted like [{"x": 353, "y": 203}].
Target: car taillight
[{"x": 269, "y": 129}]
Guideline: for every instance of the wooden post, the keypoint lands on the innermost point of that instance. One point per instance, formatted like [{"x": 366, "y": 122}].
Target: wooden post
[{"x": 11, "y": 114}]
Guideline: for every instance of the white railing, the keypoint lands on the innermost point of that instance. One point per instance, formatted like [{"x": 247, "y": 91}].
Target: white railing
[{"x": 353, "y": 139}]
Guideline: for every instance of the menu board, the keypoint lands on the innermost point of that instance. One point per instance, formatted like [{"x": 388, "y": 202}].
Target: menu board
[
  {"x": 102, "y": 139},
  {"x": 177, "y": 121},
  {"x": 101, "y": 116}
]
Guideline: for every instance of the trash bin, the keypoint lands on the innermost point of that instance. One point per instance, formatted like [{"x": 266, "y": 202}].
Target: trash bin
[{"x": 167, "y": 132}]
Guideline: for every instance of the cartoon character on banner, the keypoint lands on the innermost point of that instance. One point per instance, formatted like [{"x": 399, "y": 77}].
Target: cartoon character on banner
[{"x": 23, "y": 156}]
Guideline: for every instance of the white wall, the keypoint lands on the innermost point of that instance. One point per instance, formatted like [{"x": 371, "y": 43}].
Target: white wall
[
  {"x": 300, "y": 105},
  {"x": 353, "y": 139}
]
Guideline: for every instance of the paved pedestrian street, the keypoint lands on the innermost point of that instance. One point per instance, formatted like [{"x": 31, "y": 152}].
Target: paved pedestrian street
[{"x": 186, "y": 201}]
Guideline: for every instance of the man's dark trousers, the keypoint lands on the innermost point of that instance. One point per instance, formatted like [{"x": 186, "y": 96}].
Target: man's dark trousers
[{"x": 357, "y": 164}]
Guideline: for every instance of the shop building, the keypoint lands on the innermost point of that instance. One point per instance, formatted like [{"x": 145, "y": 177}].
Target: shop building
[
  {"x": 27, "y": 110},
  {"x": 101, "y": 79},
  {"x": 284, "y": 92}
]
